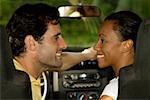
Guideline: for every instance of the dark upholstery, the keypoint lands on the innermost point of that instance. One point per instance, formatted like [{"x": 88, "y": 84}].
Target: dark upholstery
[
  {"x": 5, "y": 56},
  {"x": 134, "y": 82},
  {"x": 14, "y": 84}
]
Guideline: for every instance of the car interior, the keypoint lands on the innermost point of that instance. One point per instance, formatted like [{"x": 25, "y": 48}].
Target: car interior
[
  {"x": 135, "y": 81},
  {"x": 85, "y": 80}
]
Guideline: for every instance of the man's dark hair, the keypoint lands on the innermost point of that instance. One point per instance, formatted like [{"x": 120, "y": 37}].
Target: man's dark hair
[
  {"x": 126, "y": 23},
  {"x": 30, "y": 19}
]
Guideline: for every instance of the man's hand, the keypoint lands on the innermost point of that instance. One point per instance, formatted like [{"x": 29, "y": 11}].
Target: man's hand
[
  {"x": 70, "y": 59},
  {"x": 90, "y": 53}
]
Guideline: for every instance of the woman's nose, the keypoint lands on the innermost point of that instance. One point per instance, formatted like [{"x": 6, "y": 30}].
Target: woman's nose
[{"x": 98, "y": 46}]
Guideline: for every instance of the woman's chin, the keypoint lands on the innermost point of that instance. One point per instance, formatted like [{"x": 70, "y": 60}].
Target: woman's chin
[{"x": 102, "y": 64}]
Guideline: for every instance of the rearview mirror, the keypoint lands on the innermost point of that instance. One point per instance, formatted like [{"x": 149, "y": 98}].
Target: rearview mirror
[{"x": 79, "y": 11}]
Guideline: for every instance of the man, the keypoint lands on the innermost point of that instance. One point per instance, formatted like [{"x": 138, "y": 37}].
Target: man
[
  {"x": 116, "y": 46},
  {"x": 37, "y": 44}
]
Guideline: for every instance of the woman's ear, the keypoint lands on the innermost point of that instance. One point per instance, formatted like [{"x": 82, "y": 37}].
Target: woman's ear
[
  {"x": 127, "y": 45},
  {"x": 30, "y": 43}
]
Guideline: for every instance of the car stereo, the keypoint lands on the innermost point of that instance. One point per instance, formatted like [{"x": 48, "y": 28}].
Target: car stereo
[{"x": 82, "y": 84}]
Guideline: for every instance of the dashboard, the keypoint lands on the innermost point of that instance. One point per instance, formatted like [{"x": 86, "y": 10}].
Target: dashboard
[{"x": 84, "y": 81}]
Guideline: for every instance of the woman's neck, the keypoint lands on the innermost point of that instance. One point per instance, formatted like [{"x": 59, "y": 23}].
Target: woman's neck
[{"x": 124, "y": 61}]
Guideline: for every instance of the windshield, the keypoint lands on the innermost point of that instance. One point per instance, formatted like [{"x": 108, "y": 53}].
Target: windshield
[{"x": 80, "y": 32}]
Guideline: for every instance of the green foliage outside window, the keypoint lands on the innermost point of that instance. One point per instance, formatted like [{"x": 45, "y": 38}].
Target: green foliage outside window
[{"x": 80, "y": 32}]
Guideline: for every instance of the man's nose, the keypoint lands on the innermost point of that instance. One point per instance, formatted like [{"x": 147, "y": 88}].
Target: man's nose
[{"x": 62, "y": 44}]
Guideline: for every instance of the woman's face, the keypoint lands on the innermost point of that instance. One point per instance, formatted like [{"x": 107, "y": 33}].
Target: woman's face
[{"x": 108, "y": 45}]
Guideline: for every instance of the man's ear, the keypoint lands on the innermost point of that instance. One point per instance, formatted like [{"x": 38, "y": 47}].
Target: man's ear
[
  {"x": 30, "y": 43},
  {"x": 127, "y": 45}
]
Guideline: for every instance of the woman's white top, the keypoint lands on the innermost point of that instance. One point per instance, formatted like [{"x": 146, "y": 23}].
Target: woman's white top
[{"x": 111, "y": 89}]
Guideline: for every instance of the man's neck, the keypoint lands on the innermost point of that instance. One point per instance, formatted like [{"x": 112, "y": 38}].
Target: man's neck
[{"x": 29, "y": 66}]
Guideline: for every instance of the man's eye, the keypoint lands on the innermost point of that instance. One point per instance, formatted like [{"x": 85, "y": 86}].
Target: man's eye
[{"x": 56, "y": 37}]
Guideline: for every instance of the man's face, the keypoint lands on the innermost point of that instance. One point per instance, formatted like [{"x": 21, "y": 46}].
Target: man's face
[
  {"x": 50, "y": 48},
  {"x": 108, "y": 46}
]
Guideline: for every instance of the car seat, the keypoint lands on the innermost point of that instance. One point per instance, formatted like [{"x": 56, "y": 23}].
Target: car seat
[
  {"x": 134, "y": 81},
  {"x": 14, "y": 84}
]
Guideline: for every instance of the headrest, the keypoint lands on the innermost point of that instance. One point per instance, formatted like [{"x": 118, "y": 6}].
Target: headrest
[
  {"x": 142, "y": 55},
  {"x": 15, "y": 84},
  {"x": 6, "y": 64},
  {"x": 134, "y": 81}
]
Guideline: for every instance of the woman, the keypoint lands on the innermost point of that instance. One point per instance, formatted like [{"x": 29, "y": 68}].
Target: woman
[{"x": 116, "y": 46}]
